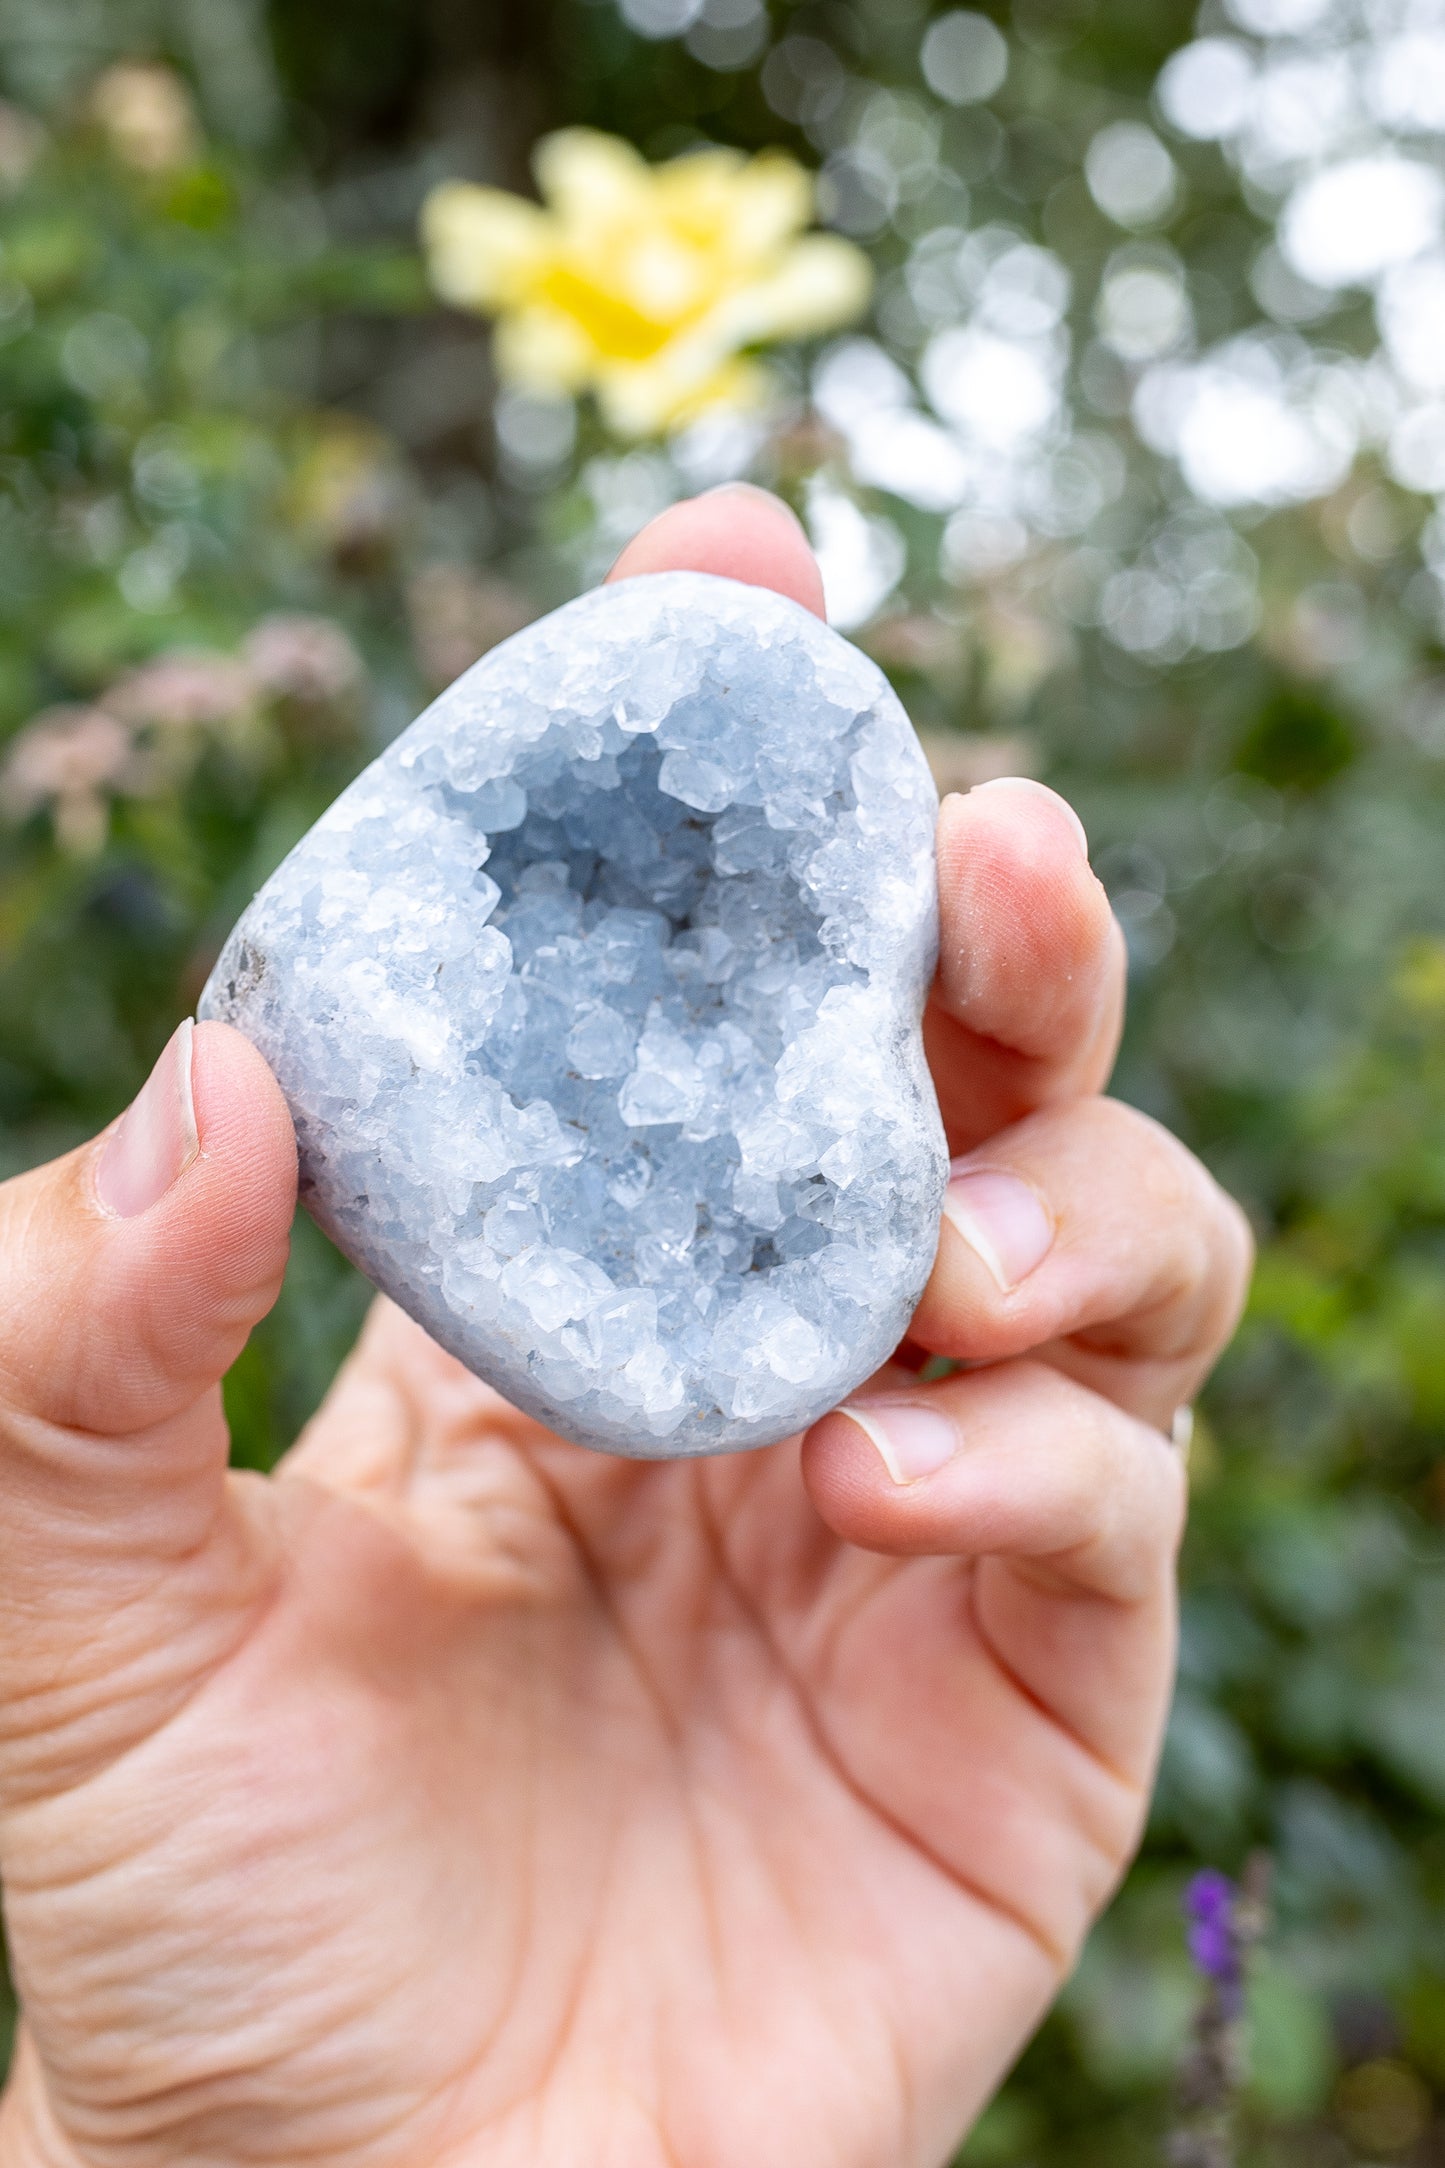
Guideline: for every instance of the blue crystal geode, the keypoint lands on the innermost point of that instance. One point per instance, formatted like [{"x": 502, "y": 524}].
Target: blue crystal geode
[{"x": 597, "y": 1000}]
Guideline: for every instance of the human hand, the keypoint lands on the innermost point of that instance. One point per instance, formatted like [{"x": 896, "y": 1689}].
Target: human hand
[{"x": 461, "y": 1797}]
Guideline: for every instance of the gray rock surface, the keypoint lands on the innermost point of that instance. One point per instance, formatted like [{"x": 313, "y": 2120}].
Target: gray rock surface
[{"x": 596, "y": 1002}]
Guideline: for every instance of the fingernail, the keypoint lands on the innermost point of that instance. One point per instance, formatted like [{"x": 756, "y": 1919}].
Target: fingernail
[
  {"x": 1003, "y": 1221},
  {"x": 753, "y": 489},
  {"x": 912, "y": 1441},
  {"x": 155, "y": 1139},
  {"x": 1016, "y": 782}
]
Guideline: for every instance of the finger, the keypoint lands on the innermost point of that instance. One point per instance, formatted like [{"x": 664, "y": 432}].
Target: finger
[
  {"x": 1053, "y": 1521},
  {"x": 131, "y": 1272},
  {"x": 738, "y": 532},
  {"x": 1050, "y": 1491},
  {"x": 1029, "y": 999},
  {"x": 1089, "y": 1234}
]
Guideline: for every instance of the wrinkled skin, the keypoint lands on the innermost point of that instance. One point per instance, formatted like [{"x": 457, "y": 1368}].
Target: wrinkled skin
[{"x": 459, "y": 1796}]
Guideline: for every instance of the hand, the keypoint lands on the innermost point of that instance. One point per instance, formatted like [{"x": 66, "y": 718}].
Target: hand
[{"x": 459, "y": 1796}]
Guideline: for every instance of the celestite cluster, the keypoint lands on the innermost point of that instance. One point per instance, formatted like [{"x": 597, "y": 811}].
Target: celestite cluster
[{"x": 596, "y": 1001}]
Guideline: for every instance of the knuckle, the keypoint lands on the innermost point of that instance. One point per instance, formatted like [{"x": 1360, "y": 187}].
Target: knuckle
[{"x": 1200, "y": 1238}]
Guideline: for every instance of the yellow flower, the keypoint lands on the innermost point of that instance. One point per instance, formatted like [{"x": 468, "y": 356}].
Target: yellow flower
[{"x": 643, "y": 283}]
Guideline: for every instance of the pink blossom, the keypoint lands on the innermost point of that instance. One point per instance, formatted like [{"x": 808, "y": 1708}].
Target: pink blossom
[
  {"x": 308, "y": 659},
  {"x": 67, "y": 760},
  {"x": 191, "y": 688}
]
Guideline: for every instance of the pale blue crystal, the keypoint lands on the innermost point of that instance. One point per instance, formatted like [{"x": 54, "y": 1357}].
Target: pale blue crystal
[{"x": 596, "y": 1002}]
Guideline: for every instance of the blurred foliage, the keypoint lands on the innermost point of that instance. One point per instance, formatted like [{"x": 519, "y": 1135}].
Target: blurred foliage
[{"x": 224, "y": 396}]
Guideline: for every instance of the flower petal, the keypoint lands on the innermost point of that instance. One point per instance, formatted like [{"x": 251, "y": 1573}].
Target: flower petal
[
  {"x": 484, "y": 247},
  {"x": 821, "y": 283},
  {"x": 545, "y": 349},
  {"x": 589, "y": 179},
  {"x": 744, "y": 209},
  {"x": 773, "y": 200},
  {"x": 698, "y": 187},
  {"x": 652, "y": 399}
]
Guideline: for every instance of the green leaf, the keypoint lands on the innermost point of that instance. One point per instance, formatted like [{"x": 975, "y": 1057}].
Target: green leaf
[
  {"x": 1297, "y": 742},
  {"x": 1291, "y": 2046}
]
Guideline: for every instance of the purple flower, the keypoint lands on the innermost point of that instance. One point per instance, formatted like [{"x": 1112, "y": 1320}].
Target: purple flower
[{"x": 1210, "y": 1905}]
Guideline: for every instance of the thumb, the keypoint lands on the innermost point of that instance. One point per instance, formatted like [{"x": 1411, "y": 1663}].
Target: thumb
[{"x": 131, "y": 1272}]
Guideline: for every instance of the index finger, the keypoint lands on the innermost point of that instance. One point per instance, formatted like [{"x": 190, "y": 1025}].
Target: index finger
[{"x": 738, "y": 532}]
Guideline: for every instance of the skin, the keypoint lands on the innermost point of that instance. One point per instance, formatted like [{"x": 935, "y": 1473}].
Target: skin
[{"x": 459, "y": 1796}]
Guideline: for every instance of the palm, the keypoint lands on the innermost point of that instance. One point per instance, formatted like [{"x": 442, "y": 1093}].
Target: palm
[{"x": 548, "y": 1794}]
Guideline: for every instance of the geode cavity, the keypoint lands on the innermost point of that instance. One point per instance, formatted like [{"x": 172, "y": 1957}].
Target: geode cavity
[{"x": 596, "y": 1001}]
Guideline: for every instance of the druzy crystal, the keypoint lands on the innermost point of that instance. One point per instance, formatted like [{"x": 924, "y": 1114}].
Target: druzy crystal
[{"x": 596, "y": 1002}]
